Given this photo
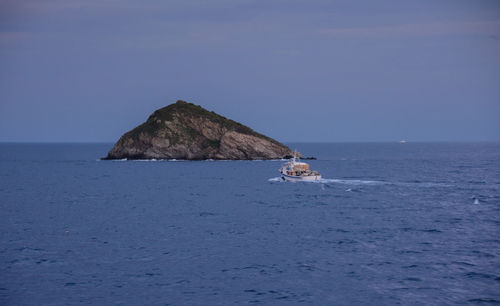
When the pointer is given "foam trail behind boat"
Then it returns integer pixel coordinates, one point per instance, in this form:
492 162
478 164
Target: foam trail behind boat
369 182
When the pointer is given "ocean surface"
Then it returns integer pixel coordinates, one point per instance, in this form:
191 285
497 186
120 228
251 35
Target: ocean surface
390 223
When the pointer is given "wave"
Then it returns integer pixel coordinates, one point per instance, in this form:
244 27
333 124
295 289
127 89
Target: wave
275 179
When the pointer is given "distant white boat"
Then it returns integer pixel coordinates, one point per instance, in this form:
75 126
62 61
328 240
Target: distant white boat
296 171
402 141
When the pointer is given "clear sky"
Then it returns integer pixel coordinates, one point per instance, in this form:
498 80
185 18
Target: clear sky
326 71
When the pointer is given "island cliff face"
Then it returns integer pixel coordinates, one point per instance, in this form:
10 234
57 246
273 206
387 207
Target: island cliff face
186 131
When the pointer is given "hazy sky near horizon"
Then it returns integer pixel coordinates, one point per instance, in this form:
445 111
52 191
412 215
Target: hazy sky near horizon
91 70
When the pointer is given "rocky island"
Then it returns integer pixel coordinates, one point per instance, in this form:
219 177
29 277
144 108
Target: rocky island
187 131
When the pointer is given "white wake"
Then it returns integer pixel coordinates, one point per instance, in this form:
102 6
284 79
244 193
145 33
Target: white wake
366 182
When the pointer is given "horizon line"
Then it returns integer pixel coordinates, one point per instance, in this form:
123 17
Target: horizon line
284 142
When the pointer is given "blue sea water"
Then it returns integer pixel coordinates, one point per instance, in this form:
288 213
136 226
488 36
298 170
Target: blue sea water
388 224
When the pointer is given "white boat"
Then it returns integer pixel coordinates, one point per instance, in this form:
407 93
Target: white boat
296 171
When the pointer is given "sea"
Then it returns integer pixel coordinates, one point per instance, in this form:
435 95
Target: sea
389 224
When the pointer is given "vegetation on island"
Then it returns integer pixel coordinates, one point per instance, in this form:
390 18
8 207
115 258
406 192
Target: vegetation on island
182 111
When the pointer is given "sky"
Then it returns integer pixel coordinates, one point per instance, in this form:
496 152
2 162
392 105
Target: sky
297 71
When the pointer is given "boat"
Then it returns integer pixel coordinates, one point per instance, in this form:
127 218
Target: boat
296 171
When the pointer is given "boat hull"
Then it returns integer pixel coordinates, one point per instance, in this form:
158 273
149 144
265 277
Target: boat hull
294 178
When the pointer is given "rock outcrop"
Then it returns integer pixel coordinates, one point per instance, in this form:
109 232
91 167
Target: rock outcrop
186 131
